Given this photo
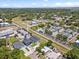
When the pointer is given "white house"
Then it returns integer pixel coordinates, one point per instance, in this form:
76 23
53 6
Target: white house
77 41
1 20
69 33
50 54
56 30
41 30
34 22
54 33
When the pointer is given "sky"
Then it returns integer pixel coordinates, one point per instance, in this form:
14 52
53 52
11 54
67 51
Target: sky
38 3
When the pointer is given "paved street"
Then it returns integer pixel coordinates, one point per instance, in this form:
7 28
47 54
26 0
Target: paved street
26 26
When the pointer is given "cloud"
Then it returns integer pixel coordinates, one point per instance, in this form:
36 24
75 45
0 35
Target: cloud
33 3
4 5
46 0
67 4
57 4
44 5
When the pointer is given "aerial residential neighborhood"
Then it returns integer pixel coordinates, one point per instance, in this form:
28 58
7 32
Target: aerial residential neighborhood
39 29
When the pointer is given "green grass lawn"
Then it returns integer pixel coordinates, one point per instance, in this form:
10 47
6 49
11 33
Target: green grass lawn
25 57
12 39
33 44
28 57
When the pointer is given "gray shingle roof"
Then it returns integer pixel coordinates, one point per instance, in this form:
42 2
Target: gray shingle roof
18 45
29 41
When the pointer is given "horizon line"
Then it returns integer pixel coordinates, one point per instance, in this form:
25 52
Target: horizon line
39 7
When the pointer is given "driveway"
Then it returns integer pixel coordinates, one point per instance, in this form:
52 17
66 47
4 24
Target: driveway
34 56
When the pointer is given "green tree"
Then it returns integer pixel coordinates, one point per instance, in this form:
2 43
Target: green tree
58 36
4 53
41 25
73 54
10 20
2 42
48 32
38 49
77 37
64 38
16 54
34 27
49 43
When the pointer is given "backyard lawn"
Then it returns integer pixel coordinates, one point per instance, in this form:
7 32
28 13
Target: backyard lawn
12 39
